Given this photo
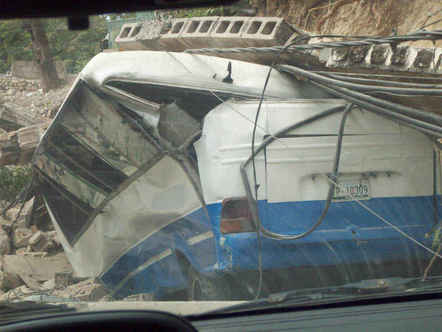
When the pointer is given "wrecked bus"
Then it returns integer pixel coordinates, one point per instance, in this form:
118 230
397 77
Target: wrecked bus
150 179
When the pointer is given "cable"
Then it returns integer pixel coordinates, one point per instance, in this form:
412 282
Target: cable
418 35
435 200
258 111
264 144
431 15
360 87
335 84
432 23
372 75
331 190
376 81
355 97
255 125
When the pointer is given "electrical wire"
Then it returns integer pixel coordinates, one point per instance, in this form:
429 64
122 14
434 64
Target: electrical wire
418 35
413 118
276 59
354 97
435 191
280 52
377 81
361 87
252 201
429 118
432 23
431 15
255 125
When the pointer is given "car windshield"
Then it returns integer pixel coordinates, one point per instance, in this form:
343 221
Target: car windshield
264 153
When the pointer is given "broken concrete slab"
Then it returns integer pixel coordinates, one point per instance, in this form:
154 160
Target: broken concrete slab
15 294
13 117
30 282
48 285
9 281
38 241
63 280
17 147
87 290
5 242
39 268
21 237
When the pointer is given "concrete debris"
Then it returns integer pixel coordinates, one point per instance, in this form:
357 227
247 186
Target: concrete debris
87 290
39 268
30 282
21 237
14 83
16 294
139 297
17 147
28 252
5 242
63 280
48 285
39 241
180 34
9 281
52 236
23 103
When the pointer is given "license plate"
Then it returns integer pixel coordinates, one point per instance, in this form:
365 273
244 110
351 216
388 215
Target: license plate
346 190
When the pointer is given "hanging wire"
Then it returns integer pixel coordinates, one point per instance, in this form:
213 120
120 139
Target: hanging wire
428 17
421 120
418 35
432 23
252 201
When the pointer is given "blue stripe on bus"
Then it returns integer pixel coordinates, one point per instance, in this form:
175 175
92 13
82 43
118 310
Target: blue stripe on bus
349 234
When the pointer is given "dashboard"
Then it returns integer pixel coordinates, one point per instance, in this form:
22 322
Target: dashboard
402 316
407 316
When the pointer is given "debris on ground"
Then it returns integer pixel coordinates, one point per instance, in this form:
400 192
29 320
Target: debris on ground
23 95
33 265
87 290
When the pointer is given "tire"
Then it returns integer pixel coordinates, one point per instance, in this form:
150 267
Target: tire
202 288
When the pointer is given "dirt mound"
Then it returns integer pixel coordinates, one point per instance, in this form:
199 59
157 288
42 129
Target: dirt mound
356 17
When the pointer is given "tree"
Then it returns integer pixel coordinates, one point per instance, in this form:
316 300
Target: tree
74 48
14 43
42 54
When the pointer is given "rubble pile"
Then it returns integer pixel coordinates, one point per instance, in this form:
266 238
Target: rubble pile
33 266
8 83
26 95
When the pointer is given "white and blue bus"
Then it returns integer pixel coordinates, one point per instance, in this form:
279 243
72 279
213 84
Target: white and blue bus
150 180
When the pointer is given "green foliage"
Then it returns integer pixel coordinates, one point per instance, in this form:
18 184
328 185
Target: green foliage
15 43
198 12
212 11
12 181
74 47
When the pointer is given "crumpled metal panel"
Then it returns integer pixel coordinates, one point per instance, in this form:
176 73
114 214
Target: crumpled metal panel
176 126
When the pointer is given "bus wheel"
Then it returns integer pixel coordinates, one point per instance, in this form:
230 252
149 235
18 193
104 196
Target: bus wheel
202 288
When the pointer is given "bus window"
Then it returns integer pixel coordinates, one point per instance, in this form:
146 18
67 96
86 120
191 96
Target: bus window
70 213
98 124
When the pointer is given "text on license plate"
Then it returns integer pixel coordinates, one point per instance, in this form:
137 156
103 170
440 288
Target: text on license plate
346 190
